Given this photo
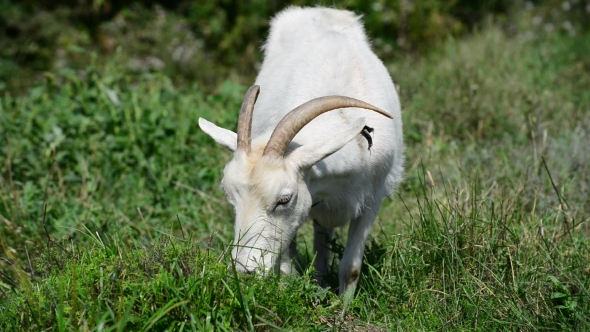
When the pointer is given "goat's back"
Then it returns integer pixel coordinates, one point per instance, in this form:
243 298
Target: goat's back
296 27
315 52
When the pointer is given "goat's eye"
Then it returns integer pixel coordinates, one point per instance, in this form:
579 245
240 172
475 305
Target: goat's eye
284 200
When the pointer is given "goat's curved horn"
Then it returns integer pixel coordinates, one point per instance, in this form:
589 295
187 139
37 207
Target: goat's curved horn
295 120
245 119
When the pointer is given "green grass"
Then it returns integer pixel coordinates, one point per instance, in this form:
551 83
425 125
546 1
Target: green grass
111 216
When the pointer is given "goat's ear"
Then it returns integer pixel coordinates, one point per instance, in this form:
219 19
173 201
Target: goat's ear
226 138
308 155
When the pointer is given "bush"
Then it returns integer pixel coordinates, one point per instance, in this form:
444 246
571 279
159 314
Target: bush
198 41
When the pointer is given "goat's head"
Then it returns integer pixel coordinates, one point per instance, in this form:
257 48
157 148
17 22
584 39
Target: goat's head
267 182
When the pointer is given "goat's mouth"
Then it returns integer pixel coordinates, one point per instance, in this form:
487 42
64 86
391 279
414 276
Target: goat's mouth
280 264
249 260
241 268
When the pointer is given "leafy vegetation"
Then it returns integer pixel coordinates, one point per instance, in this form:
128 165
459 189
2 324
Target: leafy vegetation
213 41
111 217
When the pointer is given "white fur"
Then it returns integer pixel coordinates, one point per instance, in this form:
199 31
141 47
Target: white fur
314 52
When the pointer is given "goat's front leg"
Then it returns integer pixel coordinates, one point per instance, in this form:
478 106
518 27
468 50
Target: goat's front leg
322 237
351 263
286 265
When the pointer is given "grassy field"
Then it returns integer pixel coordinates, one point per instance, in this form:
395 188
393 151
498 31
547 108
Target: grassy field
112 219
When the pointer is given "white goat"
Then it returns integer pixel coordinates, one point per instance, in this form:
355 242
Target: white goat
287 167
